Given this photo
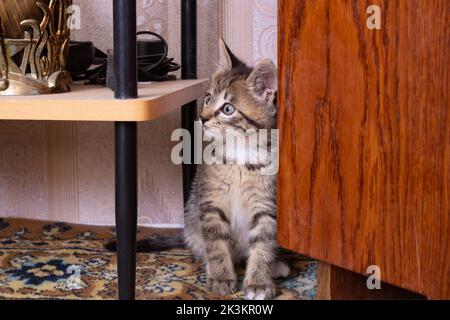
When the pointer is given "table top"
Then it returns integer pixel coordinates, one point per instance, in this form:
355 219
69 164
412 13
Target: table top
96 103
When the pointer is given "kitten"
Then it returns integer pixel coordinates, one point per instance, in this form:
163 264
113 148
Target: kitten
231 214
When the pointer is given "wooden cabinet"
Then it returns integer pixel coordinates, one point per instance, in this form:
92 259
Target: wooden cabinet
365 141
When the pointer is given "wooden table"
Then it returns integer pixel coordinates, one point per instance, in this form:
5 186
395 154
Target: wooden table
94 103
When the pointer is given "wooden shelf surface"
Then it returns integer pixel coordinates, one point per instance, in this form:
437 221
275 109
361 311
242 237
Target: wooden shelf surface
96 103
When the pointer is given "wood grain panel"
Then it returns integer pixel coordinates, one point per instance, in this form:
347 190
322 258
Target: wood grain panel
365 140
334 283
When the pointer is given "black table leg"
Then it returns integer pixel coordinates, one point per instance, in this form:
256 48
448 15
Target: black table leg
125 70
189 71
126 206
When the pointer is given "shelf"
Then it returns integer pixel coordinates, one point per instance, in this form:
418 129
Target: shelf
95 103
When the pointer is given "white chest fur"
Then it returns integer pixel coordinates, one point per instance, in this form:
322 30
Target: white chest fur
240 209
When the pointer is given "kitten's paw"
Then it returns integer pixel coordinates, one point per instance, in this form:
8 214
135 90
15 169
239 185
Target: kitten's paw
221 287
280 269
260 292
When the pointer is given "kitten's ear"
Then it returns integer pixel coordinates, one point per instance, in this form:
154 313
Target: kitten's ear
263 79
225 61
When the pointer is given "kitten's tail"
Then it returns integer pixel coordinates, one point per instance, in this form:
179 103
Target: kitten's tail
154 244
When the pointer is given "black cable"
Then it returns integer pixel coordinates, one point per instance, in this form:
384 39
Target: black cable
156 67
152 67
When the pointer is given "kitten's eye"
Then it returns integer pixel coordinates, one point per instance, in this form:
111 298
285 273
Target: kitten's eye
207 99
228 109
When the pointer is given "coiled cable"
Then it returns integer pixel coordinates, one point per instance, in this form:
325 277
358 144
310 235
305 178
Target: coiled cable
156 67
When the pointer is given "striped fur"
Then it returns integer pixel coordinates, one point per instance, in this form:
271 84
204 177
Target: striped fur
231 215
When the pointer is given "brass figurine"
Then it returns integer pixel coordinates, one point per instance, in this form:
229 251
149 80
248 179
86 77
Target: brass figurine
34 42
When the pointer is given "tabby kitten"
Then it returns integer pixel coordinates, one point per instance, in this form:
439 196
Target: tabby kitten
231 214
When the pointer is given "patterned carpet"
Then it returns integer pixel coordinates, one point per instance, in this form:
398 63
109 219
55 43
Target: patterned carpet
40 260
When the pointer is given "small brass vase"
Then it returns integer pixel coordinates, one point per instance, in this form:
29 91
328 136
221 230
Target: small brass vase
34 42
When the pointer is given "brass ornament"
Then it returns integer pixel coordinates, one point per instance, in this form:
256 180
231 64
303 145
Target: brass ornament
34 42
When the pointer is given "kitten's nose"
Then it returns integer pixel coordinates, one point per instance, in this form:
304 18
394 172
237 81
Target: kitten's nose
203 119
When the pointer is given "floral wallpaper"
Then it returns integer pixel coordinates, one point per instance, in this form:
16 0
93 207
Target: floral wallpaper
153 15
265 29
